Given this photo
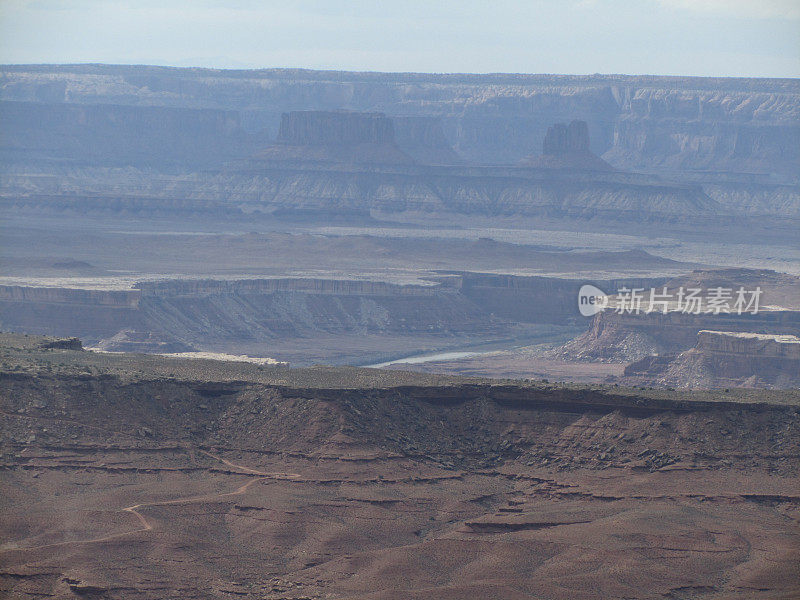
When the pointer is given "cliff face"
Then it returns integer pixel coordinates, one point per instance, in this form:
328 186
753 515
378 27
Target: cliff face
628 337
738 139
563 139
301 128
675 130
729 342
189 313
658 123
724 358
567 147
335 137
195 313
116 135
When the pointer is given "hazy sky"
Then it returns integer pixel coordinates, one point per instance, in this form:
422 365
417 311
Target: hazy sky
673 37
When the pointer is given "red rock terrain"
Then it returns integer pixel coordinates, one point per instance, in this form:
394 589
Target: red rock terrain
128 476
724 358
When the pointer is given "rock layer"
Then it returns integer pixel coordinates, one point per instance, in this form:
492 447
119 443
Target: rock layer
724 359
313 128
564 139
665 124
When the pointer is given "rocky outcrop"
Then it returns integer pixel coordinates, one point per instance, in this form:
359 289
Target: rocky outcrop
319 128
662 124
733 342
724 359
614 337
630 336
564 139
567 147
62 344
148 342
335 137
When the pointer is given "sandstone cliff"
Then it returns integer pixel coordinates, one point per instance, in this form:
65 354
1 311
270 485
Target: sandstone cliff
335 137
623 338
117 135
635 122
724 359
567 147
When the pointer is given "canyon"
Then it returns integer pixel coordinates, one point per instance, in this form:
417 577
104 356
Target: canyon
138 476
360 218
293 334
713 149
644 122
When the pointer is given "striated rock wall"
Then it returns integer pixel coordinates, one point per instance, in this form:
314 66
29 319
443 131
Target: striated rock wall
59 295
563 139
616 337
188 313
724 359
331 287
635 122
469 190
534 299
115 135
567 147
765 345
197 313
88 314
301 128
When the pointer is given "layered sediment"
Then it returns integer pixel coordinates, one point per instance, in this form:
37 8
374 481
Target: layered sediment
664 124
214 479
339 137
567 147
724 359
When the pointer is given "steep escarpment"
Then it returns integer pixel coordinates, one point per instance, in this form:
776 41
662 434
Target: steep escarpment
335 137
618 337
308 128
180 314
724 359
219 480
623 335
308 180
635 122
707 131
304 321
534 299
567 147
119 135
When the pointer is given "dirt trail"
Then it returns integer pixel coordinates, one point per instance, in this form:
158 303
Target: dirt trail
146 526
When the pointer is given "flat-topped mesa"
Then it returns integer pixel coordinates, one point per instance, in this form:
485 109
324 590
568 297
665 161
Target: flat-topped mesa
723 359
754 344
326 128
341 137
567 147
563 139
